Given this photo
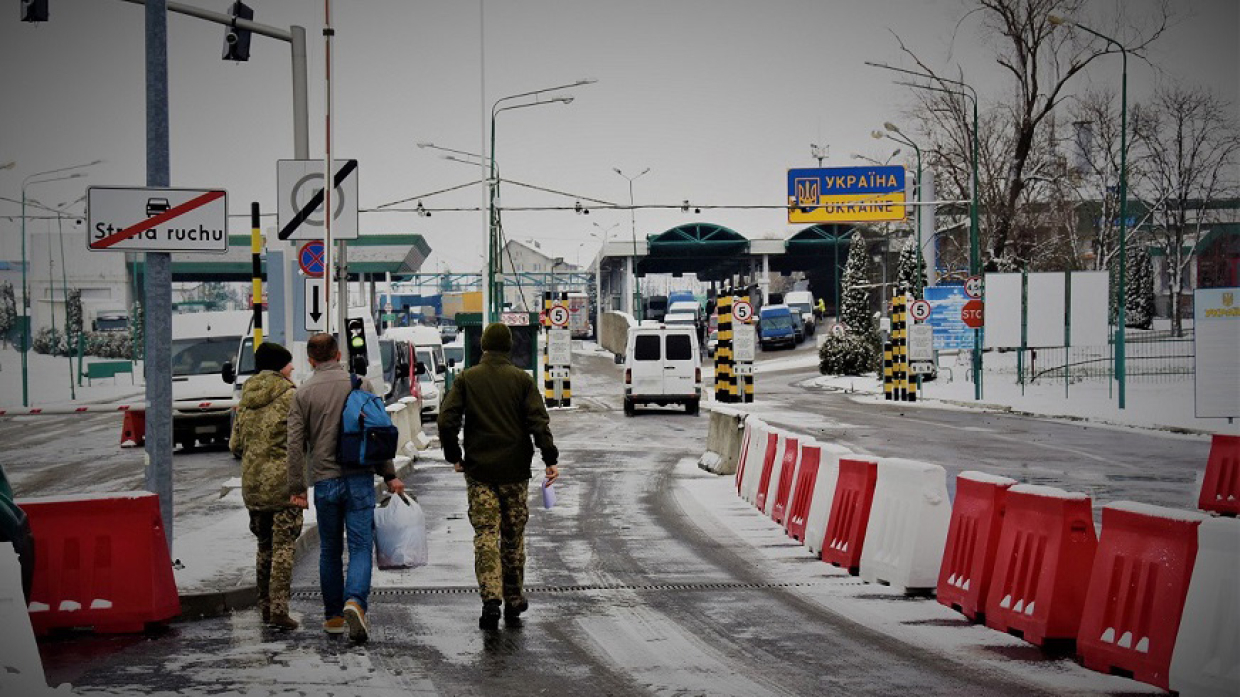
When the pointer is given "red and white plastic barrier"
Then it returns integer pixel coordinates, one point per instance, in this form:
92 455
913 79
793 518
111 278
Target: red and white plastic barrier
761 441
1042 567
1137 589
803 489
908 525
746 436
972 541
823 495
183 405
781 483
844 540
770 460
100 561
1220 489
1206 660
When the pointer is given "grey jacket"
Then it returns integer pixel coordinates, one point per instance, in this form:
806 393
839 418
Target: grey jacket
314 428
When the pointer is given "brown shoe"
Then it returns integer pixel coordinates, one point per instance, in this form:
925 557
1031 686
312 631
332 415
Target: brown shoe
355 617
334 626
282 621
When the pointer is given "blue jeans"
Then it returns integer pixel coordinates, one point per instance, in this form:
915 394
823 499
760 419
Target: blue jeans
345 505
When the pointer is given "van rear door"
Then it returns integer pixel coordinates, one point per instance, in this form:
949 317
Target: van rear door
679 364
647 367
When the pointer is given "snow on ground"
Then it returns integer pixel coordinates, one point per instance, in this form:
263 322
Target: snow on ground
712 503
48 379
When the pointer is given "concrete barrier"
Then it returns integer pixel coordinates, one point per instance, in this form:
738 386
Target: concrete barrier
413 406
399 414
723 441
1206 660
760 442
614 332
824 494
20 660
908 525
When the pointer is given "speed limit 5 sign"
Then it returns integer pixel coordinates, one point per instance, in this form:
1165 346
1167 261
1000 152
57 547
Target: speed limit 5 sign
558 316
742 311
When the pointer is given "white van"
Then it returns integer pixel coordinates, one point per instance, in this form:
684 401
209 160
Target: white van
202 344
662 367
802 303
428 347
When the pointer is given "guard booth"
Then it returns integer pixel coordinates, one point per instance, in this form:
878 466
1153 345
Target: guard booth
525 349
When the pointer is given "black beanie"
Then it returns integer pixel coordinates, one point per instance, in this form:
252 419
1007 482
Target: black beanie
271 356
497 337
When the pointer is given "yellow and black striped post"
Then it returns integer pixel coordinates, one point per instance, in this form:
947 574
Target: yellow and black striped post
545 321
889 376
566 383
724 387
899 336
747 394
256 262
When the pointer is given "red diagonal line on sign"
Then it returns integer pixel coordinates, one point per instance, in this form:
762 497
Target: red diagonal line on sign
167 215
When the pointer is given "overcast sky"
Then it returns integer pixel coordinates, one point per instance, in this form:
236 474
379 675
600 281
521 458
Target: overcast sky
717 98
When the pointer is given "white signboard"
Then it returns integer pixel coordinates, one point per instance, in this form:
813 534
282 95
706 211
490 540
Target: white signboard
1047 310
315 317
157 220
299 186
1089 293
515 319
1216 324
921 342
559 347
1002 310
744 338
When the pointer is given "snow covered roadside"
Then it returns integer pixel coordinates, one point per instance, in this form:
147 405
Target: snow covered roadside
711 502
48 379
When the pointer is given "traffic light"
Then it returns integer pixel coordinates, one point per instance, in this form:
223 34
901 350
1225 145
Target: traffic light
358 361
34 10
237 40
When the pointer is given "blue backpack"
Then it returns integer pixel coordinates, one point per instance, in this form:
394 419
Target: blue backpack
367 436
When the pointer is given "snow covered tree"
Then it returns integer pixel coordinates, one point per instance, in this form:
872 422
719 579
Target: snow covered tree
855 305
846 354
137 331
8 310
73 317
1139 289
906 269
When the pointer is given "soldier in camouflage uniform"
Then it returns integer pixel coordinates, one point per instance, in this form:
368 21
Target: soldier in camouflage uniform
260 438
502 409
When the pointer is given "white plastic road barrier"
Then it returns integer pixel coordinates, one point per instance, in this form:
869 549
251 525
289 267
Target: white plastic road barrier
908 525
20 657
413 412
787 456
824 495
399 416
1206 660
758 434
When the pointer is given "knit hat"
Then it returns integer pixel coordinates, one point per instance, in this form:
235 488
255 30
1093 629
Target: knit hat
271 356
497 337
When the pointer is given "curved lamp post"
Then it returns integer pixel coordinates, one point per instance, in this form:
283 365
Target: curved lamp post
890 129
636 309
1121 372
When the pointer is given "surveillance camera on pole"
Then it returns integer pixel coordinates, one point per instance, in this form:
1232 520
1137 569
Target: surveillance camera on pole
34 10
236 39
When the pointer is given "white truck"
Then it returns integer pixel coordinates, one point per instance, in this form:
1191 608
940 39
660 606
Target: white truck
202 344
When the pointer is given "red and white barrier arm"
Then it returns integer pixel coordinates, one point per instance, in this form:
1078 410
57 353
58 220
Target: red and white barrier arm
186 405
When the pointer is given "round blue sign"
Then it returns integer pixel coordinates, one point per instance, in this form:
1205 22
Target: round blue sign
311 259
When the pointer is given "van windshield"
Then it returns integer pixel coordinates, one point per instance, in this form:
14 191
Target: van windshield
777 322
202 356
802 308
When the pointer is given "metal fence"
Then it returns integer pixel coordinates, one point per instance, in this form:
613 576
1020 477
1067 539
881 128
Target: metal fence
1151 357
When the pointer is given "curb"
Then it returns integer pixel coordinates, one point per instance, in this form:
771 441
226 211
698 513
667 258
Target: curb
208 604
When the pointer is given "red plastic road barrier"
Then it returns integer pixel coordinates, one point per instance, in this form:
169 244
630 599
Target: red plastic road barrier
1220 490
972 540
850 513
133 430
100 561
768 464
740 463
1137 590
792 454
807 477
1041 573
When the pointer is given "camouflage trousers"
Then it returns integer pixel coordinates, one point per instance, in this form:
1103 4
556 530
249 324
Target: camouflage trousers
498 513
277 532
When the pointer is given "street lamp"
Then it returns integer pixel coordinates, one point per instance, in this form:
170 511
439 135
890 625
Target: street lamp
818 152
495 288
1121 371
859 156
636 298
892 128
36 178
975 258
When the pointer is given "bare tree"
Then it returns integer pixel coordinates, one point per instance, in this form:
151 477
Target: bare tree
1041 59
1189 145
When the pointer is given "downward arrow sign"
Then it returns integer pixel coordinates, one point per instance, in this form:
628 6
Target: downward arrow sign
314 306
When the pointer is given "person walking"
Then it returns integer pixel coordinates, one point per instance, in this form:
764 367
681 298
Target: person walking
502 409
260 438
344 498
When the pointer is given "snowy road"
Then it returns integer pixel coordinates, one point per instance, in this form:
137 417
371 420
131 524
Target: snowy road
641 580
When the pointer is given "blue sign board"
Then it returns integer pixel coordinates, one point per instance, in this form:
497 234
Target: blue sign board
950 331
311 258
846 194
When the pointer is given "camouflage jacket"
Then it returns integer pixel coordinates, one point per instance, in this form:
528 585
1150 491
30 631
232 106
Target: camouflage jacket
260 438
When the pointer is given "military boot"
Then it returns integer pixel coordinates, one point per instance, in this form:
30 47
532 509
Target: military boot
490 615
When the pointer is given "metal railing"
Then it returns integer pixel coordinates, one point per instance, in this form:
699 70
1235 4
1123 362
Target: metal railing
1152 357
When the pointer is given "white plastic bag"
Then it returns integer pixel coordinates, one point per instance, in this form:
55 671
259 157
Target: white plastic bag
400 534
548 492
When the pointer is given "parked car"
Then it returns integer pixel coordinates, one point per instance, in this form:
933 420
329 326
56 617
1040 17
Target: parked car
712 342
776 327
662 366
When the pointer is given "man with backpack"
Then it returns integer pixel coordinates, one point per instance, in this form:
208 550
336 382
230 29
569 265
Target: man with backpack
501 409
344 495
